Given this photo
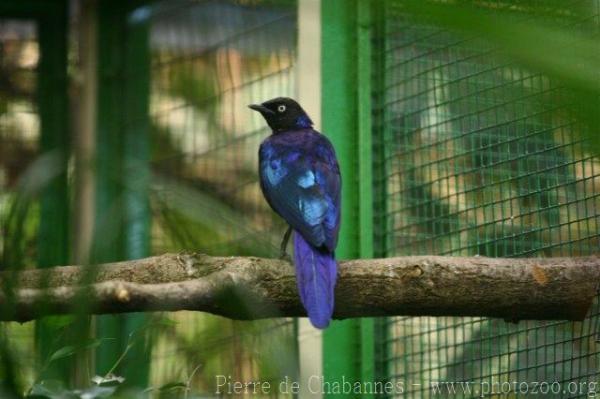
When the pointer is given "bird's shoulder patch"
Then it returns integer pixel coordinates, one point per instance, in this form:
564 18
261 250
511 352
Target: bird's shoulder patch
307 179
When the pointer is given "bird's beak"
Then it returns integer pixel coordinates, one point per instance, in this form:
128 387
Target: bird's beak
261 108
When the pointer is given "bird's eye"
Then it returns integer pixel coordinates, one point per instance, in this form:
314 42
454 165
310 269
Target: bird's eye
281 108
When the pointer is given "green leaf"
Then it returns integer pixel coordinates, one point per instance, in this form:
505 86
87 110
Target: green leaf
70 350
63 352
172 386
58 322
93 343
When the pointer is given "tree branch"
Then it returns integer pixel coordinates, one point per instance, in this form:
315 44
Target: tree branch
252 288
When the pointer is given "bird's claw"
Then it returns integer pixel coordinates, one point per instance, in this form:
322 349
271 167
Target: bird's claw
285 256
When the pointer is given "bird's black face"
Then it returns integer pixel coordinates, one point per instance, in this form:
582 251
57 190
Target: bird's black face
283 114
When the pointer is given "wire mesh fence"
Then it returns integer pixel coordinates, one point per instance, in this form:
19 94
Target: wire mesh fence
209 59
474 156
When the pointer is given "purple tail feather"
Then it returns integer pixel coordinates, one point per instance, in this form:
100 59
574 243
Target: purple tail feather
316 274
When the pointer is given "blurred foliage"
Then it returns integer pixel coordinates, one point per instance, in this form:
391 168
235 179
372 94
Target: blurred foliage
554 38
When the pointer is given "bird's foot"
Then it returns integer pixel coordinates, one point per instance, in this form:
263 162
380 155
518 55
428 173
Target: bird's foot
285 256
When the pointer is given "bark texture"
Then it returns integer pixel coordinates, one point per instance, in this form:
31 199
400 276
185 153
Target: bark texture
251 288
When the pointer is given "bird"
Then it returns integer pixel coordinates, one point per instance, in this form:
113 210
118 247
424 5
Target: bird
300 178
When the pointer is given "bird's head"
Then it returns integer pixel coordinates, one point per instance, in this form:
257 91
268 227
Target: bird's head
283 114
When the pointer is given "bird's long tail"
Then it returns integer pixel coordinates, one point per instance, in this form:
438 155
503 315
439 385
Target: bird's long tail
316 274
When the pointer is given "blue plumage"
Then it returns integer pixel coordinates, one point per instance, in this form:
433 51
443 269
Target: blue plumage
316 274
300 178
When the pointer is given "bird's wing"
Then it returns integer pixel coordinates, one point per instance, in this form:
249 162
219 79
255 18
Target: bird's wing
303 186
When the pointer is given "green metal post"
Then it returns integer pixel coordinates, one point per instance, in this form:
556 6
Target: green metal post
107 242
378 157
52 99
346 111
122 182
365 175
136 174
339 108
54 124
